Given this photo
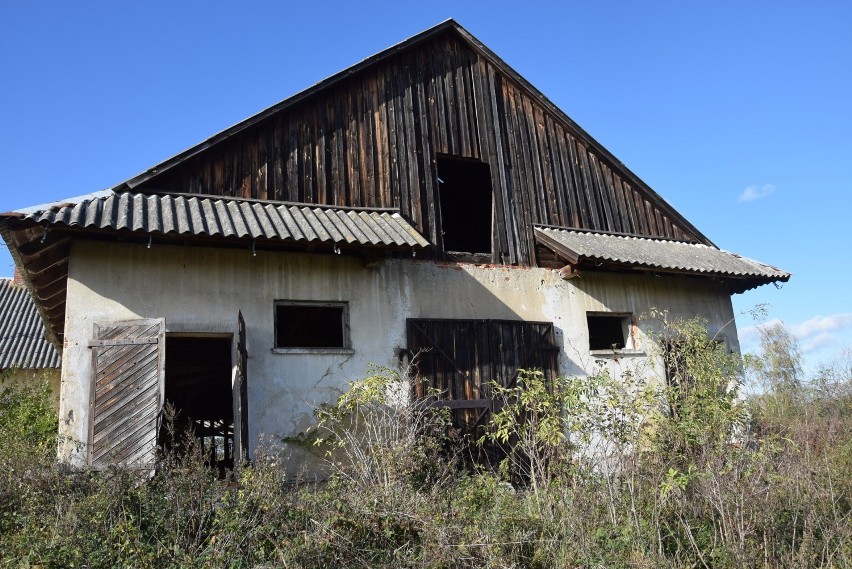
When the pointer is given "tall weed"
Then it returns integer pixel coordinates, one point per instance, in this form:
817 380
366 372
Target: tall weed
601 472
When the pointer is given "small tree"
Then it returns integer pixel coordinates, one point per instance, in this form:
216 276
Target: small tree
536 421
780 362
702 391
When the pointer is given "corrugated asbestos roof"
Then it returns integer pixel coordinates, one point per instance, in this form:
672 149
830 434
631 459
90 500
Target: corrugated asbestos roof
230 217
22 342
656 254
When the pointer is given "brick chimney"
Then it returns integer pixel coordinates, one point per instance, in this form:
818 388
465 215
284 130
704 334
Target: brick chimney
17 279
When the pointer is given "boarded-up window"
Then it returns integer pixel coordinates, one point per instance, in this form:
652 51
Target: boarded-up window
458 359
127 393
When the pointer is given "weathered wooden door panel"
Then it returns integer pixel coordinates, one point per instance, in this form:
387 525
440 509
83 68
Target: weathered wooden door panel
457 360
525 346
127 392
242 389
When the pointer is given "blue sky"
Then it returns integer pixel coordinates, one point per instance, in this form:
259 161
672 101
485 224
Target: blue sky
737 113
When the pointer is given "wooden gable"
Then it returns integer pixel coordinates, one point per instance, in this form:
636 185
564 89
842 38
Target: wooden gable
370 137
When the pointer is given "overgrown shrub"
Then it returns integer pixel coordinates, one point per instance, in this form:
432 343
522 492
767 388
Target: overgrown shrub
603 472
27 415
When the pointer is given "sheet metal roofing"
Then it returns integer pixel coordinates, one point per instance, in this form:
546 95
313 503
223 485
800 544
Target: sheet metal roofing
658 254
184 214
22 342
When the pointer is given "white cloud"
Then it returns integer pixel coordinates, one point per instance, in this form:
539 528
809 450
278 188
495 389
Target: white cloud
749 336
813 334
819 324
752 193
817 342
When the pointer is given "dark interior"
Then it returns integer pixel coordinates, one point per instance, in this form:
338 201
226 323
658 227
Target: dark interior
465 194
606 332
309 326
198 387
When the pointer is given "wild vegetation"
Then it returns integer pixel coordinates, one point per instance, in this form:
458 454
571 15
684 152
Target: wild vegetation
599 472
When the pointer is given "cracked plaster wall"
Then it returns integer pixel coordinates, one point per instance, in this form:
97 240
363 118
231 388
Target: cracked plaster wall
200 290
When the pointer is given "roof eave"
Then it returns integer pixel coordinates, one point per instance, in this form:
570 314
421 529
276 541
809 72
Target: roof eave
555 239
736 283
12 246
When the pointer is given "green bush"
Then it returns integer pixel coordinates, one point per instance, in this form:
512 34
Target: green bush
602 472
27 415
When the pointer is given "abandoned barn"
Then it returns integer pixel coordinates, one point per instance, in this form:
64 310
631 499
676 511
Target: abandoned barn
427 203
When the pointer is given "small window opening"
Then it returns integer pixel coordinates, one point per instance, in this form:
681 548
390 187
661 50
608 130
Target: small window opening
198 390
607 331
464 189
310 325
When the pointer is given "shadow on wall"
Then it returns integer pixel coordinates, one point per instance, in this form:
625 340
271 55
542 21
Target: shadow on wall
200 290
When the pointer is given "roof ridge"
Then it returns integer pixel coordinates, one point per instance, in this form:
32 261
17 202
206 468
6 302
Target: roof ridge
168 163
106 194
622 235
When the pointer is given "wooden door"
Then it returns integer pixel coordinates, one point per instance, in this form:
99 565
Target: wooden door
127 392
456 361
241 390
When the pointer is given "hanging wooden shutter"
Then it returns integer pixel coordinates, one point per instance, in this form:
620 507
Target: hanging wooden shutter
127 393
242 388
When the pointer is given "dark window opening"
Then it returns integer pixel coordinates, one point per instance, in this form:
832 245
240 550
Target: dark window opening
607 332
465 195
310 325
198 389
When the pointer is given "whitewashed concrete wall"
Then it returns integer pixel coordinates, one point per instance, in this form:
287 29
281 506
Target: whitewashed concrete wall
200 290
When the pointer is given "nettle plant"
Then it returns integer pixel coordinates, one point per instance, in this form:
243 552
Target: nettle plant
536 421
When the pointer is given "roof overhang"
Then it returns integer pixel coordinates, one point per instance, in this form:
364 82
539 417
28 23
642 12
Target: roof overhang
39 238
606 251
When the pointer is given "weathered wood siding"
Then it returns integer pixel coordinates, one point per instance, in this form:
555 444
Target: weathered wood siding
456 362
372 139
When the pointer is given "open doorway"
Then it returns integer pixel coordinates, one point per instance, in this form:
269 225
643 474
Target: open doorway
198 385
465 202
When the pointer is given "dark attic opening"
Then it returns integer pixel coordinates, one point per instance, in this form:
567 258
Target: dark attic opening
198 388
464 191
